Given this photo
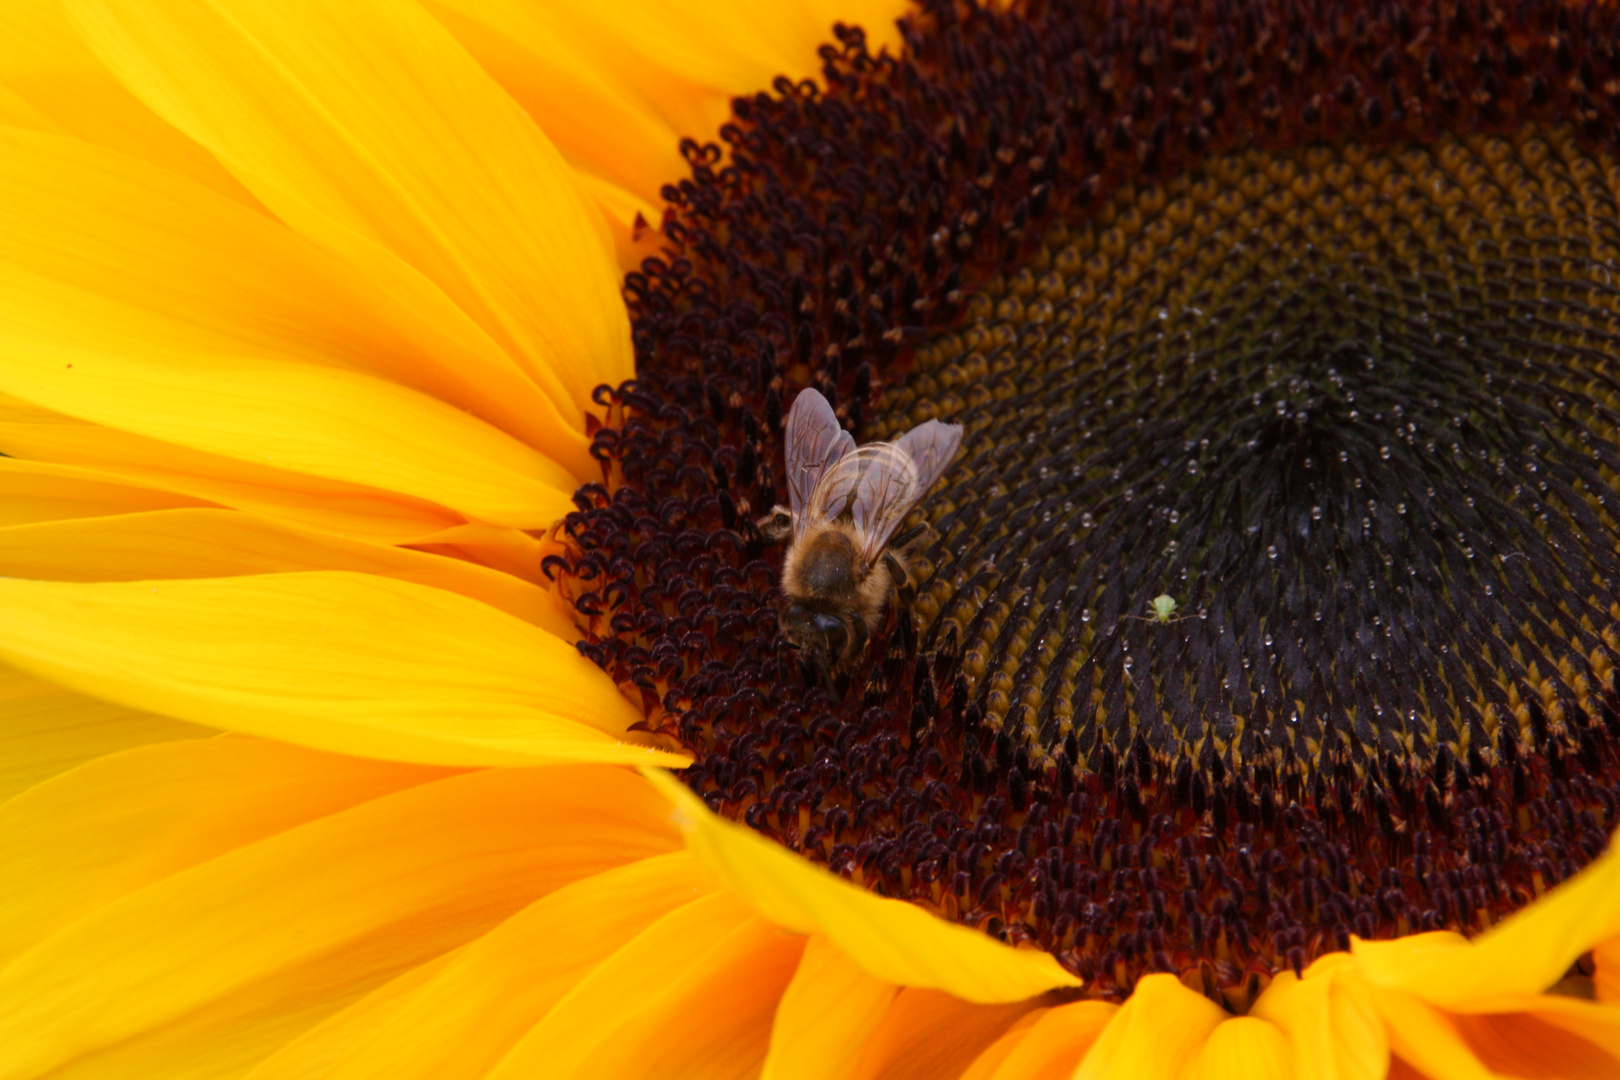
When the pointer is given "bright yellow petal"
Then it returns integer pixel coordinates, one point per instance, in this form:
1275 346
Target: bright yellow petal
928 1033
1526 953
61 445
1243 1048
1051 1047
46 729
465 1018
30 492
825 1016
328 909
126 821
367 119
1158 1032
893 940
205 543
46 65
1331 1024
192 275
690 996
338 661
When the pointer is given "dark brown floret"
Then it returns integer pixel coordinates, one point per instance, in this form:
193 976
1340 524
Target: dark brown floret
1301 316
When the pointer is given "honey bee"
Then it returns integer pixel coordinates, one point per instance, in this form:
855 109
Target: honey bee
845 505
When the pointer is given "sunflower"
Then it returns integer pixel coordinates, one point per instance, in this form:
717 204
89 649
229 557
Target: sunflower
392 680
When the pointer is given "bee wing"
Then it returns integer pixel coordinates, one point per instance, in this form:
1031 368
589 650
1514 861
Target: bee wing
931 446
815 442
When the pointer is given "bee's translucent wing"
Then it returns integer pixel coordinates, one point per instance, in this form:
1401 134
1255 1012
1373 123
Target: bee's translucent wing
931 446
815 442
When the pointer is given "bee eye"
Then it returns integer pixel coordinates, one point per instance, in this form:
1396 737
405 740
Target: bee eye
832 628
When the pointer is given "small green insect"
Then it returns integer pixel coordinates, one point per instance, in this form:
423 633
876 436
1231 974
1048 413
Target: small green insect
1163 608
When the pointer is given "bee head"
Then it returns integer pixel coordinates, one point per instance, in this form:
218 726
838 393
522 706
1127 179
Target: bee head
822 638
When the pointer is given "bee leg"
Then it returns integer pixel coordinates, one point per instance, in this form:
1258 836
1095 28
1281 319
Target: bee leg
775 526
904 592
899 543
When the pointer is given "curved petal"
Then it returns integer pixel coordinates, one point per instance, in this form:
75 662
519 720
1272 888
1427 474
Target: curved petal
471 1012
299 656
1052 1046
31 492
1606 980
46 729
46 65
126 821
1331 1024
321 911
190 274
926 1034
205 543
893 940
689 997
1525 953
366 119
1158 1032
1243 1048
58 445
826 1015
1545 1034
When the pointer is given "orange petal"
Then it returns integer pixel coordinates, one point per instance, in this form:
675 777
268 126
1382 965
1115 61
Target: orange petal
470 1013
1545 1035
893 940
1158 1032
690 996
1606 980
367 120
328 909
129 820
227 543
927 1033
1052 1046
46 729
298 656
829 1010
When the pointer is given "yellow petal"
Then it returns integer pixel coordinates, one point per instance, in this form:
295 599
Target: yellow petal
329 909
31 492
893 940
194 275
1052 1046
927 1033
97 360
1158 1032
123 822
46 729
62 446
367 119
469 1014
46 65
339 661
1525 953
829 1010
690 996
204 543
1331 1024
1243 1048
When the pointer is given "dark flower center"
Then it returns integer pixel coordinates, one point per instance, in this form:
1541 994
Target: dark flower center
1273 598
